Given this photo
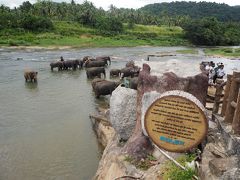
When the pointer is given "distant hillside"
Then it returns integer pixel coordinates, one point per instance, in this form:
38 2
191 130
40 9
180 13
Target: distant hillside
222 12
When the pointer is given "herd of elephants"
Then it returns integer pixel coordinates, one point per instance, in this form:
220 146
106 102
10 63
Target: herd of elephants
95 69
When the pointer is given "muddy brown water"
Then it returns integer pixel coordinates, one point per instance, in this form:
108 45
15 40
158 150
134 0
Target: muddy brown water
45 131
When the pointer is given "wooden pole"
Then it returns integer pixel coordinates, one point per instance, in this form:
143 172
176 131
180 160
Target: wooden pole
226 94
218 95
236 118
233 94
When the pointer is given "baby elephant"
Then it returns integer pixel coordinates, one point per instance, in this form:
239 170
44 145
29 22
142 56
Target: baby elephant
30 75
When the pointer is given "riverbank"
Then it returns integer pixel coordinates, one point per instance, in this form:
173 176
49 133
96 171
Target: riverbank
232 53
73 34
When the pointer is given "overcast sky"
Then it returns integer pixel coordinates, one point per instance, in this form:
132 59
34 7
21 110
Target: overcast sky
118 3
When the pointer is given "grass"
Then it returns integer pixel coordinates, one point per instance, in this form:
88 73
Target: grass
227 52
173 172
143 164
73 34
187 51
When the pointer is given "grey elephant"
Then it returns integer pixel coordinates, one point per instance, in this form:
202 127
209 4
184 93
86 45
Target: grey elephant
95 72
86 58
115 72
30 75
95 81
70 64
129 71
104 87
91 63
133 83
80 63
106 59
57 64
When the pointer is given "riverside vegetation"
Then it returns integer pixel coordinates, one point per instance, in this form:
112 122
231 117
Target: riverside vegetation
48 23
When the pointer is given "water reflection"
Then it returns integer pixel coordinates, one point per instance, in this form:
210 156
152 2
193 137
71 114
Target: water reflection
32 86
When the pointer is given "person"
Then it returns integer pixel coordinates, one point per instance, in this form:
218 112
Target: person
61 58
211 72
219 72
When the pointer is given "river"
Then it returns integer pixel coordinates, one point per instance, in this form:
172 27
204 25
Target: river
45 131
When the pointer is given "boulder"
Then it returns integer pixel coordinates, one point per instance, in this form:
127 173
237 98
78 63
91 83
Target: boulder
232 174
123 103
220 165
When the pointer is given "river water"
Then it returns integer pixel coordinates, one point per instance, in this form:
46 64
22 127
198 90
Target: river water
45 131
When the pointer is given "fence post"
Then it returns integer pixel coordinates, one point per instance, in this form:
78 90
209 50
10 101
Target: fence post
236 118
233 93
218 95
226 94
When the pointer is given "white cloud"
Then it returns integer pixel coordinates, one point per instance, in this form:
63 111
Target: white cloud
118 3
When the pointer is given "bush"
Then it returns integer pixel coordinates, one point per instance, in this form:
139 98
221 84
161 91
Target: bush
35 23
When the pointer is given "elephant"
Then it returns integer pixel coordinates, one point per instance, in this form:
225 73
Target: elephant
95 81
79 63
133 83
104 87
95 71
73 64
90 63
130 71
30 75
58 64
130 64
115 72
104 58
85 58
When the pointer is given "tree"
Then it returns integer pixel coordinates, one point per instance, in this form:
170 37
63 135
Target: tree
207 31
35 23
109 25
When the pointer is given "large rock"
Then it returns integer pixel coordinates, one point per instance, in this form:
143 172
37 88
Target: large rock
220 165
123 104
232 174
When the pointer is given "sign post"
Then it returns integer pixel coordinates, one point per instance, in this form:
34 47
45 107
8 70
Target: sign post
176 121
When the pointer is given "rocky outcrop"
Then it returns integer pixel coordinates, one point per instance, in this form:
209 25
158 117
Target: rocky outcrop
102 127
196 85
217 162
123 103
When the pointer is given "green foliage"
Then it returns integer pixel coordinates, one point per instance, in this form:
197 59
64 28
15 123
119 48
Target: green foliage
109 25
173 172
209 31
228 52
143 164
34 23
87 14
194 10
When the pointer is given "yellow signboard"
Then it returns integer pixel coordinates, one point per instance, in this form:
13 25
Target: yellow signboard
175 123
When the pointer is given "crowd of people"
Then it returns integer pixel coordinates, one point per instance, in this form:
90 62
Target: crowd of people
214 72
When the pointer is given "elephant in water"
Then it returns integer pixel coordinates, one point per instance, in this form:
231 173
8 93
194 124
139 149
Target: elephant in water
57 64
104 87
71 64
86 58
90 63
95 72
115 72
30 75
130 71
133 83
104 58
